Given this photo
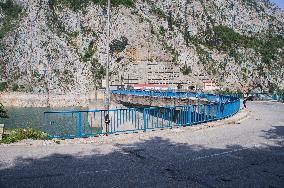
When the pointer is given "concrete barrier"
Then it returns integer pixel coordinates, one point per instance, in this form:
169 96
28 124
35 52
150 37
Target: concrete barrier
136 100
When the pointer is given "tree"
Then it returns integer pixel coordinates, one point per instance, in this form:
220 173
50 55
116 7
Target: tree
179 86
3 111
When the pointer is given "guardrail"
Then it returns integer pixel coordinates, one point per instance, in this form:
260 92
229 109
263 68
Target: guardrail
172 94
70 124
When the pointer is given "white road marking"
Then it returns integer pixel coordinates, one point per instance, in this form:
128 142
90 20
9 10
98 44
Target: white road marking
93 172
222 153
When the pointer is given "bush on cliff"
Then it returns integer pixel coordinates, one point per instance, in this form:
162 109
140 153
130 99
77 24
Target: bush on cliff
79 4
3 86
12 12
267 45
3 112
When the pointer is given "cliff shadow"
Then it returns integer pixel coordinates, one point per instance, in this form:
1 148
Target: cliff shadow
155 162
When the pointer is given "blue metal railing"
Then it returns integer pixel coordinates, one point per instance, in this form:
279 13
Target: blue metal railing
154 93
92 122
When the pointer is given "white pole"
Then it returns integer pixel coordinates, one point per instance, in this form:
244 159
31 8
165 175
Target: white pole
108 58
107 95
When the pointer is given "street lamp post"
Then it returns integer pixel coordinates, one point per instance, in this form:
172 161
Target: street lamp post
108 57
107 94
47 77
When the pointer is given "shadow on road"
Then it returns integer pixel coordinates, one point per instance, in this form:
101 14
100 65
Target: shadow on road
276 134
153 163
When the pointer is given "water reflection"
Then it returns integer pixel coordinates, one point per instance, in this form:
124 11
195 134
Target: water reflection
34 117
29 117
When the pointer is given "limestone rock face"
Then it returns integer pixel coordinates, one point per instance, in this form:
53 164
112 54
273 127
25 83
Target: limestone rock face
51 46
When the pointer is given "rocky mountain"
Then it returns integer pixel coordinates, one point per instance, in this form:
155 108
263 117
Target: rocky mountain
59 46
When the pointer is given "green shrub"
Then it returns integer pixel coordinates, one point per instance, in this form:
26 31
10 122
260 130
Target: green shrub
185 70
72 35
157 11
281 95
89 53
21 134
12 13
267 45
3 111
80 4
118 45
170 21
15 87
127 3
229 92
98 72
192 39
162 31
3 86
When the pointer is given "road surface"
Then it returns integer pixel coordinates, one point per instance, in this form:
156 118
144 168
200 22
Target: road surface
245 154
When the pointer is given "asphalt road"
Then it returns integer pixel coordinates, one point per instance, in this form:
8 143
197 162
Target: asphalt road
246 154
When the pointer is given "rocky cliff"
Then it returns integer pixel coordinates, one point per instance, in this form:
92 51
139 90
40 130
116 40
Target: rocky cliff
59 46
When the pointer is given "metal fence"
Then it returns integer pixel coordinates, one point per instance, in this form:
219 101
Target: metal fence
68 124
172 94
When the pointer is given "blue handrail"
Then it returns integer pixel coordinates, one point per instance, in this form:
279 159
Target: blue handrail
69 124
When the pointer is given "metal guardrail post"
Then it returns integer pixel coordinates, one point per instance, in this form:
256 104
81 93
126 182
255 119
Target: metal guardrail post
219 110
145 119
79 125
107 123
204 113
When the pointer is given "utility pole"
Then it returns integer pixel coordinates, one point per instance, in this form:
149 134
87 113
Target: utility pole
233 14
185 23
107 93
108 58
47 77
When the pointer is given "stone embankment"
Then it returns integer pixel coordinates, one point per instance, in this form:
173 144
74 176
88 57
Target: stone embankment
18 99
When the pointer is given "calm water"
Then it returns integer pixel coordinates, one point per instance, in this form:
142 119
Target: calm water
30 117
36 119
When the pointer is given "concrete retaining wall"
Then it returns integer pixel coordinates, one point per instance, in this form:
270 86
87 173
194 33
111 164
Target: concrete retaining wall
17 99
136 100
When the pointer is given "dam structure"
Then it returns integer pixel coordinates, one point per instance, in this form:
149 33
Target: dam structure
144 111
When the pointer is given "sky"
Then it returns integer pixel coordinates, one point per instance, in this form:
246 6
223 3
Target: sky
279 3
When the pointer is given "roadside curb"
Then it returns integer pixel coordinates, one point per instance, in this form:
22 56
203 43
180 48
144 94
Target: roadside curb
236 119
